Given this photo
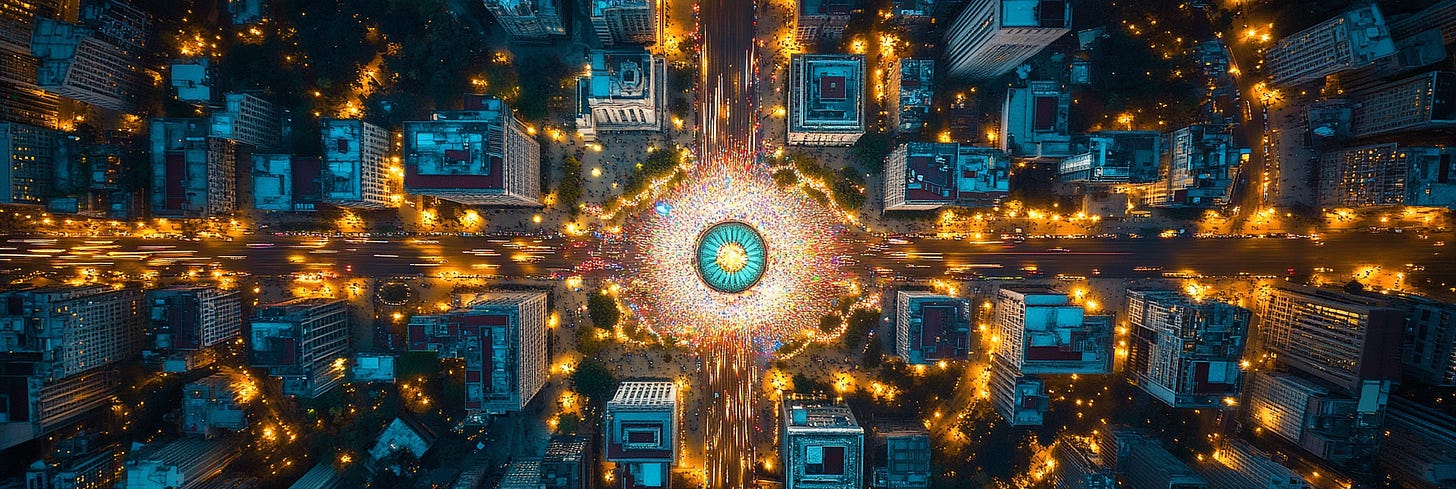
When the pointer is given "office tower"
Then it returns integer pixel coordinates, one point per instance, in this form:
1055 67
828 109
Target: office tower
911 94
249 120
931 327
826 99
1349 40
568 463
1430 342
302 342
1039 331
822 20
284 183
213 404
1147 465
923 176
1334 427
624 21
1341 338
76 63
187 462
1034 121
1203 163
61 342
1387 175
992 37
1183 352
29 157
1419 449
901 455
185 323
1115 157
1421 102
77 462
479 157
528 20
821 445
354 164
1078 464
502 339
641 424
24 102
624 91
1238 465
1019 399
193 175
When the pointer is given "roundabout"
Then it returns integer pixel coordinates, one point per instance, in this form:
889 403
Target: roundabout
731 257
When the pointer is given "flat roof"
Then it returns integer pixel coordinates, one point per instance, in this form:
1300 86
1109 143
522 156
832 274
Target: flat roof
644 394
810 414
1036 13
829 95
621 74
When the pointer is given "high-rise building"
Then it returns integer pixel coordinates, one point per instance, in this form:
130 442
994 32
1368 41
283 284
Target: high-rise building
1238 465
522 473
826 99
502 339
29 157
192 80
568 463
1338 337
1078 464
931 327
529 20
624 91
1034 121
479 157
1115 157
354 164
285 183
1019 399
823 20
1039 331
901 455
1430 342
193 175
183 463
1334 427
24 102
1425 101
1147 465
1350 40
1388 175
641 424
923 176
911 93
1203 164
1419 449
1183 352
624 21
212 404
60 343
916 16
302 342
992 37
250 120
77 462
76 63
185 323
821 445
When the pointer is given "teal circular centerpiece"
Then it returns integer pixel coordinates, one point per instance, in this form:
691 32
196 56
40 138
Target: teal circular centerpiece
731 257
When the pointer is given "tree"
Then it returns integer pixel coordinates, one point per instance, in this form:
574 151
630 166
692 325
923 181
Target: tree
594 380
828 323
873 355
569 192
602 309
861 321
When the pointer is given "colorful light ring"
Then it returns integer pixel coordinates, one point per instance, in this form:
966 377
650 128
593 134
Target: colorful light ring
731 257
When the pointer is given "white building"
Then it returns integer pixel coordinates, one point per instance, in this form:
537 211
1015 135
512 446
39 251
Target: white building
992 37
193 175
303 342
1034 121
624 21
1350 40
474 157
826 99
821 445
1041 332
923 176
625 91
528 20
355 161
502 339
642 432
250 120
76 64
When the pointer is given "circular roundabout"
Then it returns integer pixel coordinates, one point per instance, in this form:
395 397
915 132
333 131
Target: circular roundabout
731 257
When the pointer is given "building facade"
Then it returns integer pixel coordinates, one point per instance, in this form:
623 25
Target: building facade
1419 447
184 324
1430 343
1039 331
1115 157
211 406
303 342
1183 352
1334 427
354 164
826 99
250 120
502 340
923 176
479 157
993 37
193 175
911 94
931 327
1350 40
529 20
1426 101
1240 465
1021 400
625 91
187 462
821 445
1388 175
624 21
29 159
901 455
1204 162
24 103
822 20
1338 337
1034 121
76 63
641 424
1078 464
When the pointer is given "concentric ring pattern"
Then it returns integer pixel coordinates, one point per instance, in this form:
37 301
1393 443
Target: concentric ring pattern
731 257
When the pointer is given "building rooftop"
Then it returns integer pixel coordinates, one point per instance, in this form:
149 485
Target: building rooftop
828 7
456 153
621 74
523 473
830 93
1036 13
819 415
192 80
644 395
